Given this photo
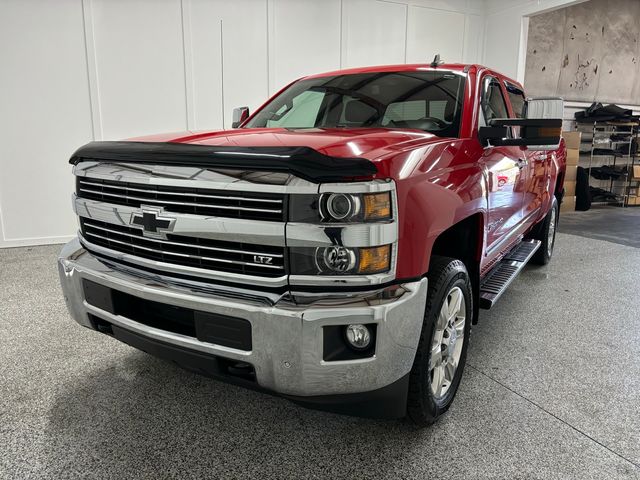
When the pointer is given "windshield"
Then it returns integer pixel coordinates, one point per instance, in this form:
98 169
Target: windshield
429 101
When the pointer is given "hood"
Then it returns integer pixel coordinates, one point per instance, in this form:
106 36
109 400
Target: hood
369 143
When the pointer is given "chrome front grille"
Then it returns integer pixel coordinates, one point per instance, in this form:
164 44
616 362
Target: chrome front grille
197 201
227 227
231 257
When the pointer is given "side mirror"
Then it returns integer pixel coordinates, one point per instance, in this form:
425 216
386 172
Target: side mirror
541 127
541 133
240 114
544 107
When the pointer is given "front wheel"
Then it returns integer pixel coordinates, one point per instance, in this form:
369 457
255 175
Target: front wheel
442 350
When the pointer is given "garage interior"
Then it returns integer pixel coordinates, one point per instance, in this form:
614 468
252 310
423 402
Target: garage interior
551 388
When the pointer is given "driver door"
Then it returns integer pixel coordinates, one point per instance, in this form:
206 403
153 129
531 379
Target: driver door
537 173
504 172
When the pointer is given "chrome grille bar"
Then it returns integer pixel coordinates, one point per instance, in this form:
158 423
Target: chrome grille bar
184 255
169 202
189 251
179 199
181 244
218 197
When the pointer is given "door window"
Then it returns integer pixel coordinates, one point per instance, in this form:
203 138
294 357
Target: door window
517 99
493 104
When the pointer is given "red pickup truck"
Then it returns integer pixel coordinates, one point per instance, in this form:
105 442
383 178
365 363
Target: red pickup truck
335 247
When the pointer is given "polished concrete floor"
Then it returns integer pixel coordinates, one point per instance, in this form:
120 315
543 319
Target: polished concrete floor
551 390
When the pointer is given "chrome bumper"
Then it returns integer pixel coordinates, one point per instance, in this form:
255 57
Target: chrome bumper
287 338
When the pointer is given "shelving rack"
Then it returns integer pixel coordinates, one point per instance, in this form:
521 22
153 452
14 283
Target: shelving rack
612 145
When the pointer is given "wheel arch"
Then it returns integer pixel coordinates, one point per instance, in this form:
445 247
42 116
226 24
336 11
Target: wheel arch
464 241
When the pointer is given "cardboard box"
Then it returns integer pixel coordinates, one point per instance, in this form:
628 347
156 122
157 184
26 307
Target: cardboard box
636 172
572 139
573 156
568 204
571 173
569 188
633 200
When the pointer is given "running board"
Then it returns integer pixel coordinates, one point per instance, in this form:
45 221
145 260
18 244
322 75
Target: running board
501 276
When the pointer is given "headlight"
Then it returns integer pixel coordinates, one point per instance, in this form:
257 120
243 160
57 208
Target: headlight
341 208
338 260
335 259
374 259
377 206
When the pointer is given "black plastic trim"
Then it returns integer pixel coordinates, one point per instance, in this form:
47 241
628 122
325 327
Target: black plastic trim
303 162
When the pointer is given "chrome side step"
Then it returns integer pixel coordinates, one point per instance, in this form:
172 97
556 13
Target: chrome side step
500 277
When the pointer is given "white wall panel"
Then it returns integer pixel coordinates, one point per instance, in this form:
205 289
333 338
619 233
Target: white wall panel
140 66
245 54
431 31
473 39
462 6
203 52
502 42
373 33
227 46
44 117
304 39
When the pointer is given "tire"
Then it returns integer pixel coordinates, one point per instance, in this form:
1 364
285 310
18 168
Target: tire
546 233
448 281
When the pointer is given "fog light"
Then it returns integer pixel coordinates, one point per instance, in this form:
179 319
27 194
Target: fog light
358 336
338 259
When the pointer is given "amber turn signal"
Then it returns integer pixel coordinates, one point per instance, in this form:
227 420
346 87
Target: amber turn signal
377 206
375 259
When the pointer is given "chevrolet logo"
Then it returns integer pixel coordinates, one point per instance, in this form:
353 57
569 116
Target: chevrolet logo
152 222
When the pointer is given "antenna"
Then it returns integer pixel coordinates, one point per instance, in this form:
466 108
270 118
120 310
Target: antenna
436 61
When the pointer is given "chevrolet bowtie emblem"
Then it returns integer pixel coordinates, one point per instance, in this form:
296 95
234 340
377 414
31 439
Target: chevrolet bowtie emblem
152 221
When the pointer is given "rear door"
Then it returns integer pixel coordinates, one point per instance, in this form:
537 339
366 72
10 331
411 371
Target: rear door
535 173
504 171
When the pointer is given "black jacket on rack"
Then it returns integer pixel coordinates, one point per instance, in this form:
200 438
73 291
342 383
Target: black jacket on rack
600 113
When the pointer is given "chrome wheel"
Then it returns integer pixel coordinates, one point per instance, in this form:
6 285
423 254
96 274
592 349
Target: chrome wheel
447 342
552 231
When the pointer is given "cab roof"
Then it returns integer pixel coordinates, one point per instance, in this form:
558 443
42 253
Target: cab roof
413 67
456 67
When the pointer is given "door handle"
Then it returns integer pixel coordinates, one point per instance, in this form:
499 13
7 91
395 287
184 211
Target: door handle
521 163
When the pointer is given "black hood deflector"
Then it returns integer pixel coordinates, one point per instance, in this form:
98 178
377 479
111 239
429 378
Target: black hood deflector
303 162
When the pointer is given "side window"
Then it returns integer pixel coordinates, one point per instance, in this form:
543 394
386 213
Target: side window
517 99
493 104
304 115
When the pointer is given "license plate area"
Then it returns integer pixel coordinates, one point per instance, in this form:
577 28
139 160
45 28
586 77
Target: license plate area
207 327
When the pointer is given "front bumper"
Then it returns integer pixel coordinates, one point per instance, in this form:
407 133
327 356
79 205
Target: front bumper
287 348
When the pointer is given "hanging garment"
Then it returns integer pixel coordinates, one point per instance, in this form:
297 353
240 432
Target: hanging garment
600 113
